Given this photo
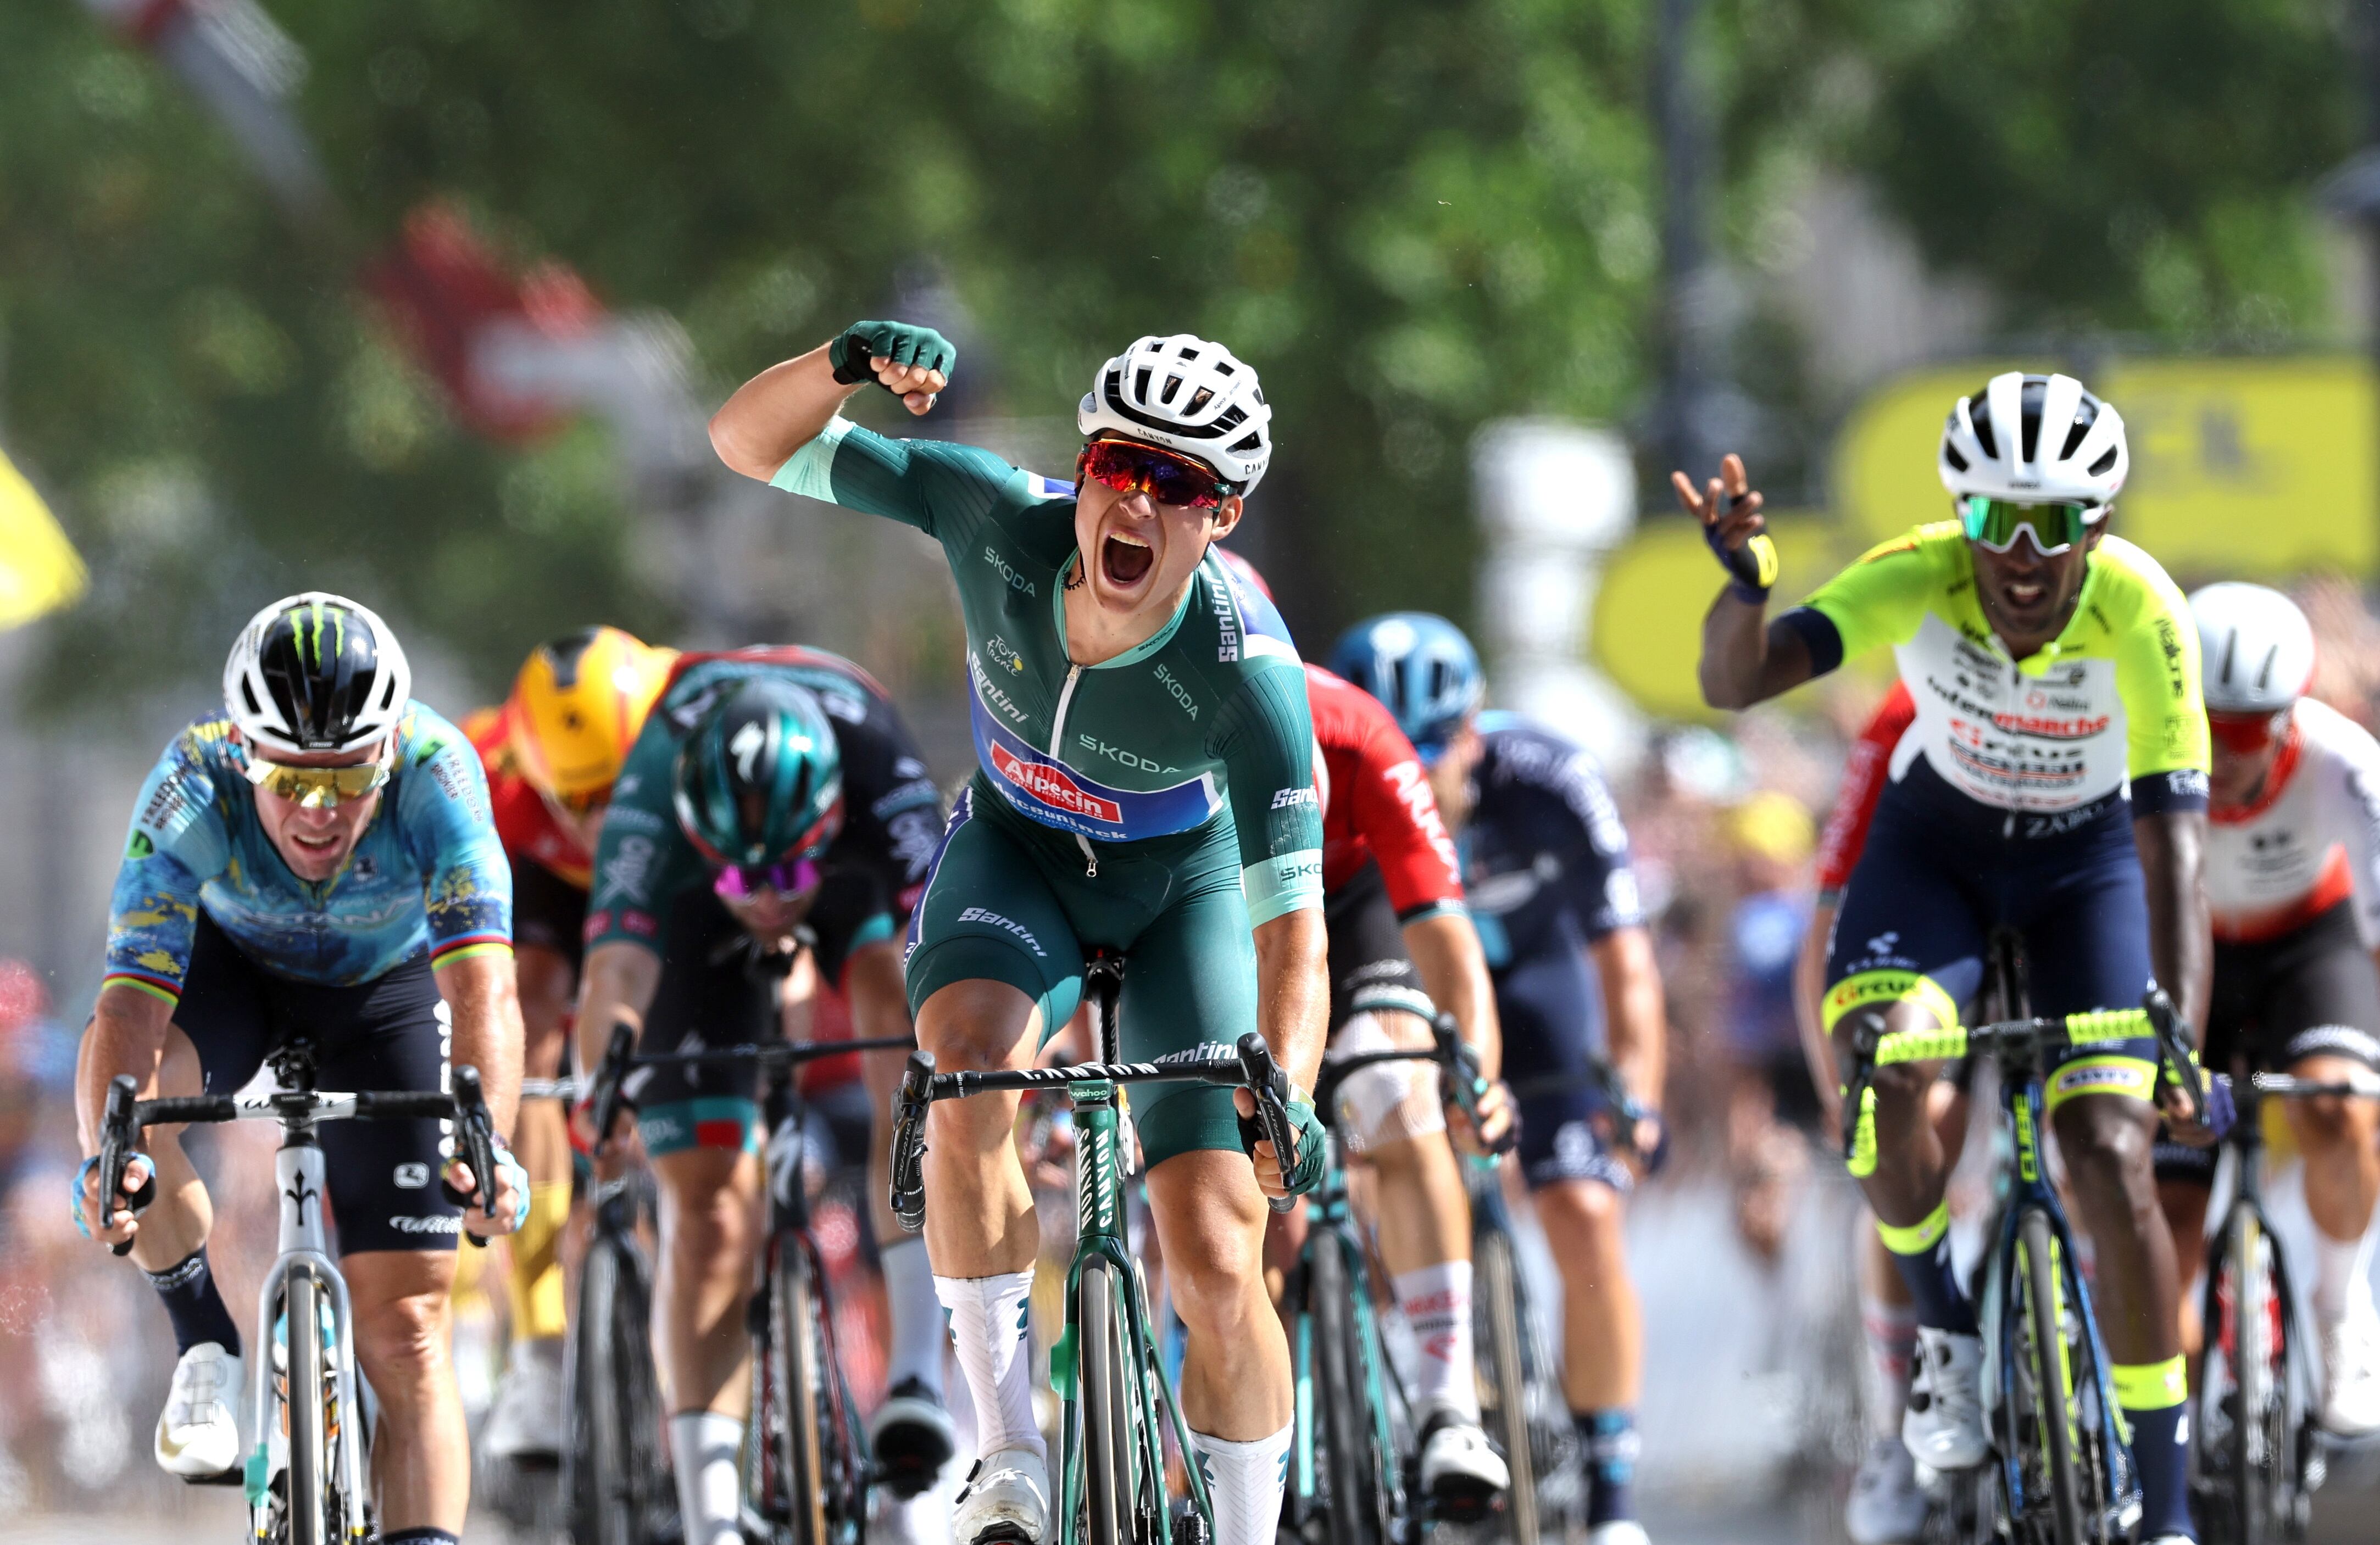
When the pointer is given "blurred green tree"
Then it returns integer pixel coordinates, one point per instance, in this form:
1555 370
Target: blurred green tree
2120 167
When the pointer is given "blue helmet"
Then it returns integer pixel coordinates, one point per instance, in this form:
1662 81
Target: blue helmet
1420 666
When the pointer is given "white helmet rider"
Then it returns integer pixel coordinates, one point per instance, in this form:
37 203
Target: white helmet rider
2035 439
1185 394
2256 649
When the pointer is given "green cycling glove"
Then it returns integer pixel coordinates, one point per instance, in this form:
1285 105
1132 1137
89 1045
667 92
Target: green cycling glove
902 343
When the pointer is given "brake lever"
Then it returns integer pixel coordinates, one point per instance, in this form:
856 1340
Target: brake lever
477 1129
1269 1084
910 1104
116 1137
610 1076
2173 1050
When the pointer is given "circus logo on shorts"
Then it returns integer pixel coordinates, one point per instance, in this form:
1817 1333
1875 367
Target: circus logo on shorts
1050 786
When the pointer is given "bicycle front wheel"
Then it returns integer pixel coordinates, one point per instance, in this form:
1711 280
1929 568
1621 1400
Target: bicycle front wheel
1102 1334
2246 1445
793 1404
2041 1407
614 1480
1358 1507
302 1306
1500 1309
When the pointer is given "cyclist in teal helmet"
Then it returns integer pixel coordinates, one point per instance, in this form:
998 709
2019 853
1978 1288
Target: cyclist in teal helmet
773 805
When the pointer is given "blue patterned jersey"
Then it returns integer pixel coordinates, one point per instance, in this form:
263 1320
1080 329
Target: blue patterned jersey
429 873
1545 858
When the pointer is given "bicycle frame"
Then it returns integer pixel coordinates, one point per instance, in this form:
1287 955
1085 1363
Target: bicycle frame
1102 1231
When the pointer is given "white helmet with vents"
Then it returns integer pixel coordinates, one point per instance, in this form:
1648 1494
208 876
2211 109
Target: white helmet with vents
1185 394
2256 649
315 672
2035 439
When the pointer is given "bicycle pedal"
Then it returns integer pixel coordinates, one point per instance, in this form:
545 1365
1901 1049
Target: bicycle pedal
233 1476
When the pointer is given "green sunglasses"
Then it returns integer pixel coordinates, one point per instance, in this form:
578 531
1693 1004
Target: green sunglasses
1994 522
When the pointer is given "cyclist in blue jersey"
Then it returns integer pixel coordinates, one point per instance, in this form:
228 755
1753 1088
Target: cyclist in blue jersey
1145 785
317 860
2054 782
1546 875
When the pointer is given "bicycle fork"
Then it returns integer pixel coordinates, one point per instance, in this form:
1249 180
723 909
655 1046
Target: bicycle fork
304 1250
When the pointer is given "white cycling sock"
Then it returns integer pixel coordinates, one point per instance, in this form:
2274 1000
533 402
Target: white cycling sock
2341 1275
918 1338
990 1330
1890 1332
1436 1302
703 1448
1245 1482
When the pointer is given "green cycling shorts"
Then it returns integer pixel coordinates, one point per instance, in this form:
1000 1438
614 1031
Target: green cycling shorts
1009 900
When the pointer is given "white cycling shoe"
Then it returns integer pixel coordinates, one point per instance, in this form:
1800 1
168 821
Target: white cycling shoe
1886 1505
2351 1373
1943 1424
1461 1473
1006 1501
198 1432
526 1420
1625 1531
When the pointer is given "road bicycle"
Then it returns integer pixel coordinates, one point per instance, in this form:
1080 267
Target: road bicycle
808 1472
1117 1406
1346 1479
2258 1453
2063 1473
308 1399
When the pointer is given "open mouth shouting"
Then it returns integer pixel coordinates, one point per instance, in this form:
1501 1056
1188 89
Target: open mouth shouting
1126 560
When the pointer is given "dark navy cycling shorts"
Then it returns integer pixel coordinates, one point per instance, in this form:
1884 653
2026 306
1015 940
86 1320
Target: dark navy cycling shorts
390 1033
1920 909
1551 1007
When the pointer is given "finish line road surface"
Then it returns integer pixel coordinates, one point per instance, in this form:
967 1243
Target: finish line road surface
1750 1422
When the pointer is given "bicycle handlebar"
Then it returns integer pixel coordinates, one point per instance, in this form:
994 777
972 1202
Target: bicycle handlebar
1249 1066
774 1060
128 1116
2364 1086
2155 1018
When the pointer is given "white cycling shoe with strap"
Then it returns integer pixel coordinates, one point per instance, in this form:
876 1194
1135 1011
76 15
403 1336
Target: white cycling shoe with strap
1462 1474
2351 1373
1943 1424
198 1432
1886 1505
1006 1501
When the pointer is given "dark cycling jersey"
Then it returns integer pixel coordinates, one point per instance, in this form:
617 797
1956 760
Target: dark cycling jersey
1210 712
1544 867
644 864
427 876
653 889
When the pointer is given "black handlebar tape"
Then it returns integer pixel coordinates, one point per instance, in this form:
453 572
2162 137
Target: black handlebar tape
186 1109
406 1104
1270 1086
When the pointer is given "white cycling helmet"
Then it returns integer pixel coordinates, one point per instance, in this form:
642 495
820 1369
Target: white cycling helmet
315 672
2256 649
2035 439
1185 394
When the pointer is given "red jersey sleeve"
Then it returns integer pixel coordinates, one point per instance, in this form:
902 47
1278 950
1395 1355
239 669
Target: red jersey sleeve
1864 771
1379 776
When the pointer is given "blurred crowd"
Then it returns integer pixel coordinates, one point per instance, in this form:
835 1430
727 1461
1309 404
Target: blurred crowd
1723 828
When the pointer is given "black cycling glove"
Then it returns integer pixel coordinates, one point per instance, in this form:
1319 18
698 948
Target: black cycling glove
1753 566
1305 1127
902 343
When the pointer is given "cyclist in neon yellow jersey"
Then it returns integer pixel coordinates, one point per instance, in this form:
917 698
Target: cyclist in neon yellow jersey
1144 783
2054 782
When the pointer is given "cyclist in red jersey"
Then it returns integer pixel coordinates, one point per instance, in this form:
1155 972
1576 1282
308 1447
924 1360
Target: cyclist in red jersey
1402 946
1886 1505
552 751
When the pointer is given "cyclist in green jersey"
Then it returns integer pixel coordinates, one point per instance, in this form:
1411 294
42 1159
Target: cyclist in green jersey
1145 784
2054 782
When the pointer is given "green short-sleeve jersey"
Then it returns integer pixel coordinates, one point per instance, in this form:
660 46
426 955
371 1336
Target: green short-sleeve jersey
2114 698
1205 720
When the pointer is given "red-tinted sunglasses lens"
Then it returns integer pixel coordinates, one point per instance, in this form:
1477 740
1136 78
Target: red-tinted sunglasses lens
2246 734
1136 469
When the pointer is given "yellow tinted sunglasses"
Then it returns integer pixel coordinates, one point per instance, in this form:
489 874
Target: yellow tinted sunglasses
322 787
